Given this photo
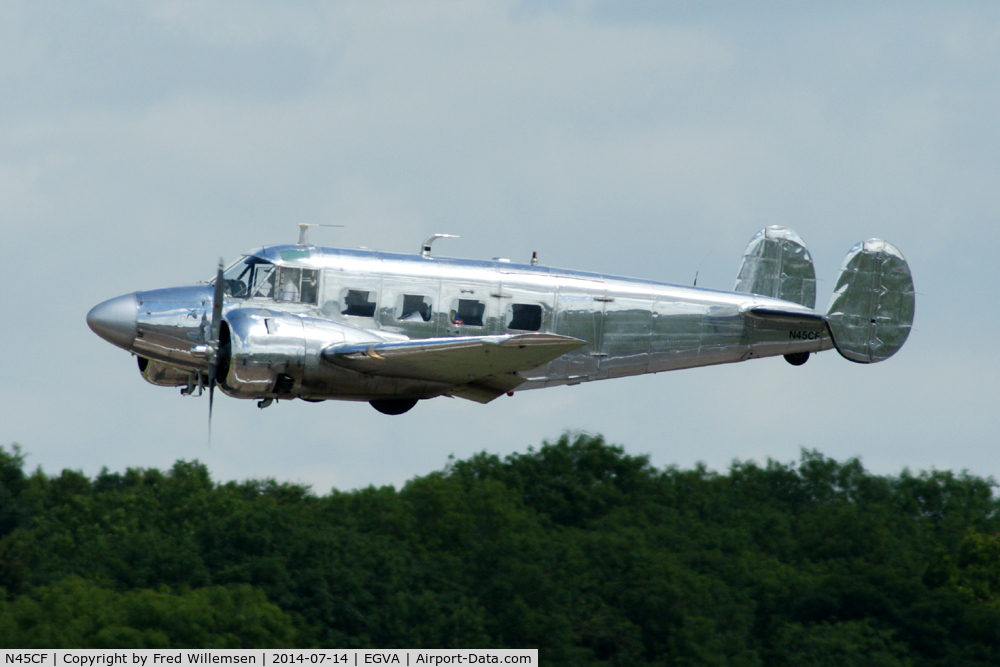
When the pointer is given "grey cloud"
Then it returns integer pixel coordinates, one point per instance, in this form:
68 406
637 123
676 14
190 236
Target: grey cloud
142 143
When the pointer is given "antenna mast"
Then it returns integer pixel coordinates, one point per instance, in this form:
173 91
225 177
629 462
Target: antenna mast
304 229
425 247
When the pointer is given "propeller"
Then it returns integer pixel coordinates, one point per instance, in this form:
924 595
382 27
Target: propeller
212 344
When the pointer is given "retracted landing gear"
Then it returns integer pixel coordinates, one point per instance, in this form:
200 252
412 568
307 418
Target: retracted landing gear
194 384
264 402
393 406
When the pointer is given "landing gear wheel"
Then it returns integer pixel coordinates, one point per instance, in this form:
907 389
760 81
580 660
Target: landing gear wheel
797 359
394 406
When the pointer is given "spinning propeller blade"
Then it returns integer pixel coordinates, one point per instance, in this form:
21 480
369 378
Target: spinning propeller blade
213 342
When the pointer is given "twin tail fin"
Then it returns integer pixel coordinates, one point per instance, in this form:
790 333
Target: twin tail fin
776 263
871 311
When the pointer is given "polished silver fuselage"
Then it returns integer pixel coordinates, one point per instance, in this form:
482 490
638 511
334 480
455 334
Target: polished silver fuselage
629 326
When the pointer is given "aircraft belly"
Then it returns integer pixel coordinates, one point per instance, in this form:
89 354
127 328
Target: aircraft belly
348 385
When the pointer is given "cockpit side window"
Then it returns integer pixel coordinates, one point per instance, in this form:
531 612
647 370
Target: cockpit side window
310 285
263 284
251 276
297 285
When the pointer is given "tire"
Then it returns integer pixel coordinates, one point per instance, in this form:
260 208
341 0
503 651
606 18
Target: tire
393 406
797 359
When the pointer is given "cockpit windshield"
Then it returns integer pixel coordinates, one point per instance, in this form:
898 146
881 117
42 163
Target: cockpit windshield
249 277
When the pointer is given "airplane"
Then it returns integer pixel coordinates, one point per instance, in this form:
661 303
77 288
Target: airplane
317 324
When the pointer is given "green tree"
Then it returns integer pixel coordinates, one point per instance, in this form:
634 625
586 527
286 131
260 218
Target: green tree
74 613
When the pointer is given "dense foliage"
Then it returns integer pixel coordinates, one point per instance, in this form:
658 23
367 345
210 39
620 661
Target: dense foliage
589 554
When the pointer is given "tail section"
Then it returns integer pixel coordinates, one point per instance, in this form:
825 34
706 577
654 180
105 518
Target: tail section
776 263
871 310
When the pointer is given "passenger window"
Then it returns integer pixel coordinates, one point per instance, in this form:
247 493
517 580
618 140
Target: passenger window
295 285
524 317
413 308
359 303
468 312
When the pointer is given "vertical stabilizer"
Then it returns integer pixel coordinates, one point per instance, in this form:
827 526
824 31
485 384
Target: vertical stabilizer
776 263
871 310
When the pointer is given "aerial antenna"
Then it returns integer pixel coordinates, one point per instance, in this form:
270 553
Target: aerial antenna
425 247
699 267
304 229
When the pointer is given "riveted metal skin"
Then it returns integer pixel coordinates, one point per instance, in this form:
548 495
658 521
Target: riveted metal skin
871 310
776 263
320 338
170 322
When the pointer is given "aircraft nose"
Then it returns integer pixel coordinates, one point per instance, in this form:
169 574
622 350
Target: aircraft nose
115 320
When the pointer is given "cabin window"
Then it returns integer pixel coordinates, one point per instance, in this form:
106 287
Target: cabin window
310 285
413 308
250 276
468 312
359 303
263 283
297 285
524 317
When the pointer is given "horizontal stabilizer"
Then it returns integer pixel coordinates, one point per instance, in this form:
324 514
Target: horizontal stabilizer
776 263
872 307
784 328
480 367
793 315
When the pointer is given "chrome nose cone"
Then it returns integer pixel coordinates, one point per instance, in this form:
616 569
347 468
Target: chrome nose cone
115 320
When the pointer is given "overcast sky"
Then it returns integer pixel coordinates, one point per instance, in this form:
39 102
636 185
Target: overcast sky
139 142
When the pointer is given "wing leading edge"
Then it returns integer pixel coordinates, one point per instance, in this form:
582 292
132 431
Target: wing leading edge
479 368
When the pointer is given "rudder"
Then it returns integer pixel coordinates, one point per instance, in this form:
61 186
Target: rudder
871 310
776 263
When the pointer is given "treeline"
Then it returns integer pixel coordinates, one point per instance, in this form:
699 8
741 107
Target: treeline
579 549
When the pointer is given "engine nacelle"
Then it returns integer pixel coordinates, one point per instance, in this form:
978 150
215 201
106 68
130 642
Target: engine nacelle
163 375
268 354
262 354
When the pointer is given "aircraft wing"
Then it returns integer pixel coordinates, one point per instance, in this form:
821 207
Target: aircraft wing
480 368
